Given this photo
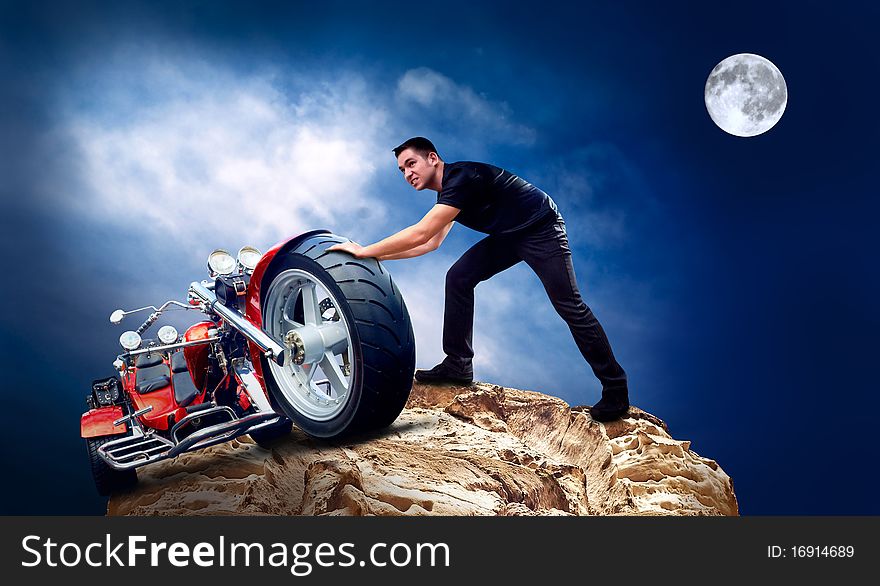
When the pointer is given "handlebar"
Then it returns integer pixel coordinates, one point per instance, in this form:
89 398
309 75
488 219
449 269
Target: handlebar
150 321
117 316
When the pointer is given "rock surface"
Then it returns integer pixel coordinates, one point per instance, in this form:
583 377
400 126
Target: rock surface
479 450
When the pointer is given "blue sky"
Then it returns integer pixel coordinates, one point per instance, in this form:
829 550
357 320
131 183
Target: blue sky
735 277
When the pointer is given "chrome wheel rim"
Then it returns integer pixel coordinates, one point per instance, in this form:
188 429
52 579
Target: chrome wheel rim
320 387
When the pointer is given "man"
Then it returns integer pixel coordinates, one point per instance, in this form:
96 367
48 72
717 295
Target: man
523 224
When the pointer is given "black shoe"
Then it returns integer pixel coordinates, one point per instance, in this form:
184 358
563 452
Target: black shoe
442 374
614 404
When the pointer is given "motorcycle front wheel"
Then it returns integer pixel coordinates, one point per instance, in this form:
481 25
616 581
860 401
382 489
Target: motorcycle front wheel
350 353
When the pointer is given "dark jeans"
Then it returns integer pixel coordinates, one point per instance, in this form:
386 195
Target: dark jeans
544 247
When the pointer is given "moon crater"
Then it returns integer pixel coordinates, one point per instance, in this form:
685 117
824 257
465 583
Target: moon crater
746 95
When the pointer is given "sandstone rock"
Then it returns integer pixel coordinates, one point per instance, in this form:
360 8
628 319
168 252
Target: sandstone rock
479 450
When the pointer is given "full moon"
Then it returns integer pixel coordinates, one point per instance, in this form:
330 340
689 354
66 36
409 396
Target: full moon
746 95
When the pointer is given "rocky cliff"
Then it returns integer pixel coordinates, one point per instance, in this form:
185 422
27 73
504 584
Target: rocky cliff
479 450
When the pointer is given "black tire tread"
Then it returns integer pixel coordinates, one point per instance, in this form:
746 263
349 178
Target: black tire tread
383 326
107 480
268 438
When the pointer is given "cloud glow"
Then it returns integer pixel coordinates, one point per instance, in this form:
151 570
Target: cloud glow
462 108
240 158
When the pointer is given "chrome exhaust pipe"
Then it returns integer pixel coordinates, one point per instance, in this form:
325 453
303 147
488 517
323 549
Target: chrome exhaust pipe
270 347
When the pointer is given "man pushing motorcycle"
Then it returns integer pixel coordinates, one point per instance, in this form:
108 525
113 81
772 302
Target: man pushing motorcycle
523 224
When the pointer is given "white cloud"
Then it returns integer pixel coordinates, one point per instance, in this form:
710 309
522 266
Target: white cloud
461 108
600 192
220 153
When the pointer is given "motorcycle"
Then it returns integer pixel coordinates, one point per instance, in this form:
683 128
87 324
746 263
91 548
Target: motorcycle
297 335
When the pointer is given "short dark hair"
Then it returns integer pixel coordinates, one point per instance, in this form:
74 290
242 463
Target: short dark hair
420 144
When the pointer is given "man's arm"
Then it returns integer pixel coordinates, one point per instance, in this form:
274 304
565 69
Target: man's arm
430 246
435 221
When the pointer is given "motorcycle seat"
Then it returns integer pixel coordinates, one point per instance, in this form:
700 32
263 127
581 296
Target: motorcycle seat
178 362
152 378
153 384
184 388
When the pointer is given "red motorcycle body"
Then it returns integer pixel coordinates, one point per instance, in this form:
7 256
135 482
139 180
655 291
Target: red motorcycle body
178 393
99 422
165 409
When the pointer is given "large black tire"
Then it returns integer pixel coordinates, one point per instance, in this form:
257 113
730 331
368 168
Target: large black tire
107 480
381 337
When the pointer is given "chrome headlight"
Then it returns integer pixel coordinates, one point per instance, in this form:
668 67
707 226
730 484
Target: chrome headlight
130 340
168 334
248 257
220 262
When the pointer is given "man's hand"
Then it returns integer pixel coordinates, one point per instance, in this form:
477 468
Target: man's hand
353 248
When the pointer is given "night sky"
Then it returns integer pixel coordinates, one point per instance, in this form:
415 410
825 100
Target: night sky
736 277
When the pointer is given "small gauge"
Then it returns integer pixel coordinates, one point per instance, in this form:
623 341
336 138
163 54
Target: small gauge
130 340
168 334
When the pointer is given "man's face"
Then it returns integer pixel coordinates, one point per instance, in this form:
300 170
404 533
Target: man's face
419 171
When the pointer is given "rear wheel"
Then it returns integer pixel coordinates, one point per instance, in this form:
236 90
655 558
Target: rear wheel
350 346
107 480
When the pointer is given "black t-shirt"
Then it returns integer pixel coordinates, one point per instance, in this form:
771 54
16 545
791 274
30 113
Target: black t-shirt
492 200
